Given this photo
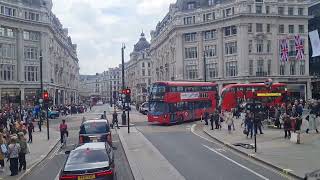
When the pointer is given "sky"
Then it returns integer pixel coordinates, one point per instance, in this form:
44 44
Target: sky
99 27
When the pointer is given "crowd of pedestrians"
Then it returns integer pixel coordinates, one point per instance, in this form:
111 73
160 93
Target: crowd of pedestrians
16 124
287 116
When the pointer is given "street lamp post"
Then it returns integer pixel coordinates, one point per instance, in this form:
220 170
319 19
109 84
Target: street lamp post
41 86
123 85
204 66
254 120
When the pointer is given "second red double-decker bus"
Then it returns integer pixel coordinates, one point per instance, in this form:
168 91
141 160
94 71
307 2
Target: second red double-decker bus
233 95
171 102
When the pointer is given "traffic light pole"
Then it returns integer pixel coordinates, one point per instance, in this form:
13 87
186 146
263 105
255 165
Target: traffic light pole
128 121
123 86
42 92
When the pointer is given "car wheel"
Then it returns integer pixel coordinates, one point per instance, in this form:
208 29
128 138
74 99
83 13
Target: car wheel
145 112
52 116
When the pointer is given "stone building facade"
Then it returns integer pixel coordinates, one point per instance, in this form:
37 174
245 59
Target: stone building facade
26 29
138 70
237 41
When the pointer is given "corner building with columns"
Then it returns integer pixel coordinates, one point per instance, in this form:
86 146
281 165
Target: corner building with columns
28 27
237 41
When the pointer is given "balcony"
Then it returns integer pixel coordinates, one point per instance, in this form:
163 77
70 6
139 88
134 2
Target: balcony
261 74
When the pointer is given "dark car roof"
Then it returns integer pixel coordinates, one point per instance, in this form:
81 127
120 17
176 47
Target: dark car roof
93 146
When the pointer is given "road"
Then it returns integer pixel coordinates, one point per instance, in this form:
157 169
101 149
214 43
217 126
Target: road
50 167
197 156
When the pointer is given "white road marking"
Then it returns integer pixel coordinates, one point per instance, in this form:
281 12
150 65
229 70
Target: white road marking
57 177
193 131
244 167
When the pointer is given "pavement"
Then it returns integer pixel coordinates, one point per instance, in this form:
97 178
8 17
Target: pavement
273 149
39 149
49 168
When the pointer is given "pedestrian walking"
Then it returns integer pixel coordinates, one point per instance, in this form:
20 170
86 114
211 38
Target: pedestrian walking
313 124
287 126
115 119
3 151
212 120
23 151
30 130
216 119
13 153
229 121
258 122
206 116
249 124
63 130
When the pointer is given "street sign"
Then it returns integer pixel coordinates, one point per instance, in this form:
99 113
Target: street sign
268 94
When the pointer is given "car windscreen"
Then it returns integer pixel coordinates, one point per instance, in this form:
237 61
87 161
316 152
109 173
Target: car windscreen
94 128
85 156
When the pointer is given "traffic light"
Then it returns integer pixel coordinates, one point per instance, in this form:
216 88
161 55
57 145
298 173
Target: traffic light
45 96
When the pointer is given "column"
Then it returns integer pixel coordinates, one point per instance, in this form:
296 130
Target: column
20 55
220 46
275 63
309 90
0 97
243 50
201 62
44 48
22 95
179 57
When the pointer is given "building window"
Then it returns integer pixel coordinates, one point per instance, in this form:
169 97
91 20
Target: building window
209 35
7 32
301 28
268 46
229 12
30 35
268 28
292 68
291 29
281 28
230 30
190 37
191 5
31 16
191 53
250 27
8 11
210 2
210 50
7 50
189 20
143 72
260 1
143 64
292 48
231 48
267 9
259 27
300 11
31 73
281 10
249 9
259 46
192 72
231 69
282 68
258 9
209 17
302 68
250 46
30 53
269 67
260 67
290 11
149 72
212 70
7 72
250 67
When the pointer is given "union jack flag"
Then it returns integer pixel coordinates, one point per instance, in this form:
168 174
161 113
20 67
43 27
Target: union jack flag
299 47
284 49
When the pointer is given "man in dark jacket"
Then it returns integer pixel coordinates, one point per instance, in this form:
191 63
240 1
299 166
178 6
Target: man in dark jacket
115 119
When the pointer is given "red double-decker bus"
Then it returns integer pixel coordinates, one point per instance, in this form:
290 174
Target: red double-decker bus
171 102
233 95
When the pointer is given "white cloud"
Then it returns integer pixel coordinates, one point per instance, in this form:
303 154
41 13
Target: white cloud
99 27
